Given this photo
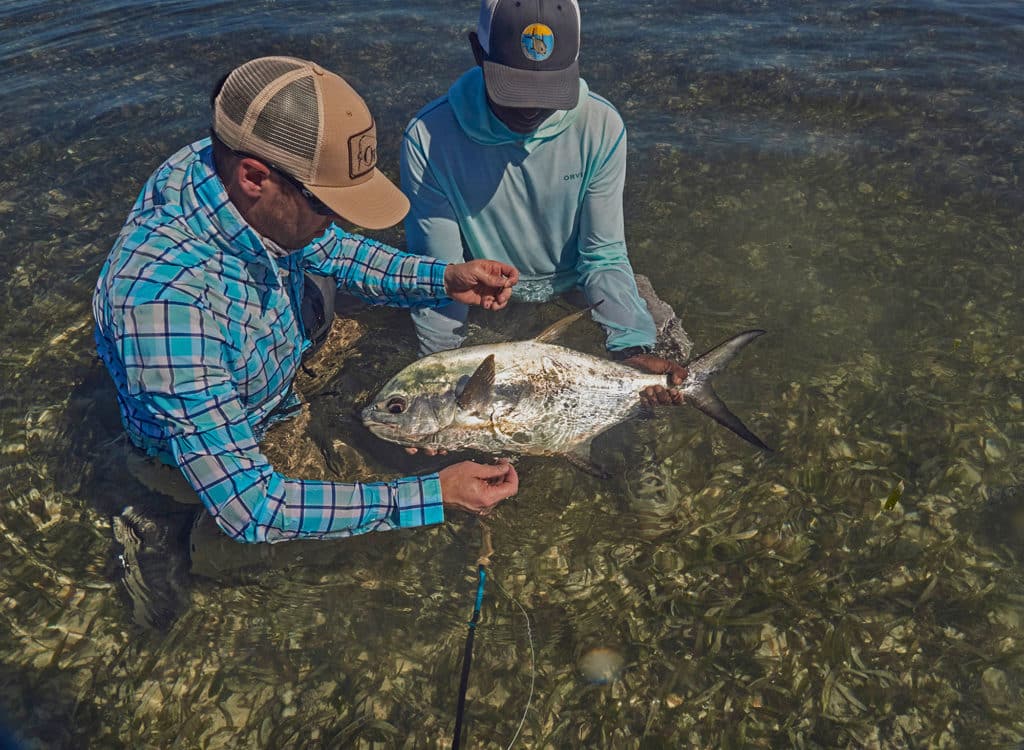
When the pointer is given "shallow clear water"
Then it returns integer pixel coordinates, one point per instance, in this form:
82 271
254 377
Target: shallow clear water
846 175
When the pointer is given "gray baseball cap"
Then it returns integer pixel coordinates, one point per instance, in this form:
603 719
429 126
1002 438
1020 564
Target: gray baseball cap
531 52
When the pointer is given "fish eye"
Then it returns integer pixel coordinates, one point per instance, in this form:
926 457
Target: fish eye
395 405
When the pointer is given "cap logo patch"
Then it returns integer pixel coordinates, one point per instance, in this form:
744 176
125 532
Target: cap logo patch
362 152
538 42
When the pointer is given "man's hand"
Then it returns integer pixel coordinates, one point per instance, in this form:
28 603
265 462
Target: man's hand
477 488
486 283
659 395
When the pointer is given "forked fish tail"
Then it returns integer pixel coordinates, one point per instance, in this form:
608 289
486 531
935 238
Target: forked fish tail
700 394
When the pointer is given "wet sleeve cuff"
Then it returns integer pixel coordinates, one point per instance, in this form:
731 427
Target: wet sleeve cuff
418 501
430 277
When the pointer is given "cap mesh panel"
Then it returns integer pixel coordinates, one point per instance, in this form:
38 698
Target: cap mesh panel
290 120
247 82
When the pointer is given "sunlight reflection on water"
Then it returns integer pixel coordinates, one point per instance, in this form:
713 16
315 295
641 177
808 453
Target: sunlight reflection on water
847 177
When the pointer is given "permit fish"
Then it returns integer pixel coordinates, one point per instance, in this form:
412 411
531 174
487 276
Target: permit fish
533 397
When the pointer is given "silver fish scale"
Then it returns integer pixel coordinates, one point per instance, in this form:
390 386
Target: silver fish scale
546 399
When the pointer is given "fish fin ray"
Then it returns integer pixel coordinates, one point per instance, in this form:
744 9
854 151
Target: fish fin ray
708 402
554 330
715 359
479 388
582 461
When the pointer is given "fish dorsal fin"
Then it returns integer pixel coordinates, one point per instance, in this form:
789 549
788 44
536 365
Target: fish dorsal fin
479 387
556 328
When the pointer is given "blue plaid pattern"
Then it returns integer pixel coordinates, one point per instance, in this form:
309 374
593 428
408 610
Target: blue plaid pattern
199 326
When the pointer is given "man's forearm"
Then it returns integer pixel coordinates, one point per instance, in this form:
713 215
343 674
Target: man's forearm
252 503
382 274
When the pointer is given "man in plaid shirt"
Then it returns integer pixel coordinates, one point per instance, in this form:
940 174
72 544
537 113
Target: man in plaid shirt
199 305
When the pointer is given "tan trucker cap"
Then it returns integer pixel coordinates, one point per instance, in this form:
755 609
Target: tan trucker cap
310 123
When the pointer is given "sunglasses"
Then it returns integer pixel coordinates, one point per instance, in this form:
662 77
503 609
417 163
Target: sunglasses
315 203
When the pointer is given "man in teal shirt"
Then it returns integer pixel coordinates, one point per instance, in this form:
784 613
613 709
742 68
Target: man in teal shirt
520 162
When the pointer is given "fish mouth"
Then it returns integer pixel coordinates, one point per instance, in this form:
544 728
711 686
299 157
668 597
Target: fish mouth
372 422
386 427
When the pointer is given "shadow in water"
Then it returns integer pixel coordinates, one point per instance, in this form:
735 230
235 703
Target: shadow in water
38 708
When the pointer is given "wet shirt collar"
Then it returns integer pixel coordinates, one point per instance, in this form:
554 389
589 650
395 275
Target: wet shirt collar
196 188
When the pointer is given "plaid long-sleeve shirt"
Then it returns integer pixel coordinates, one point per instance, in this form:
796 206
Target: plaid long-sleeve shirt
199 326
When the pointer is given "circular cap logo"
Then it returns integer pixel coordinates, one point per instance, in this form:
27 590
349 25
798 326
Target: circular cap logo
538 42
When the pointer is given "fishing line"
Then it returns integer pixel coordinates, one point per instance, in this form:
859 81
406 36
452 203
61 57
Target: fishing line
533 664
485 559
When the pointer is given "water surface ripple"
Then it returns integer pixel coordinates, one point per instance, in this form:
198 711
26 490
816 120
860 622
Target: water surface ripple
846 175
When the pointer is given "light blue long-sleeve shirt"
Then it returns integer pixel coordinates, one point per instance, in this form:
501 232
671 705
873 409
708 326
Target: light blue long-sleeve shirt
548 202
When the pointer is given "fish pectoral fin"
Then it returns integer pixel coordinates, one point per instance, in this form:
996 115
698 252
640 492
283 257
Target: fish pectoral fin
581 460
479 388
